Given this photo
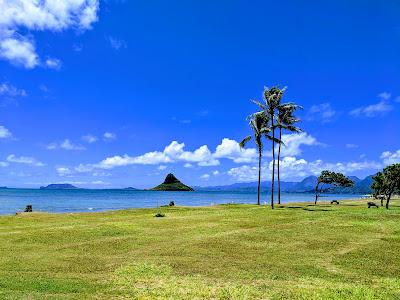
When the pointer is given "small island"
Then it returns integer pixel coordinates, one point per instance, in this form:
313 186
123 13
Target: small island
59 186
130 189
171 183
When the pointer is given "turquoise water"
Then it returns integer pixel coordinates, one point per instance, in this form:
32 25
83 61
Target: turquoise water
67 201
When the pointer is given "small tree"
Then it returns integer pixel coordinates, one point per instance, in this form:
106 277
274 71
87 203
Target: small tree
387 183
328 180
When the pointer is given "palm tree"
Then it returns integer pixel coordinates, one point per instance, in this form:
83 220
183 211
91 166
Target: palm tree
285 120
259 125
272 100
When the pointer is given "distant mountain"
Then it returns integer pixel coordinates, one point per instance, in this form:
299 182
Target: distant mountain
171 183
130 189
59 186
307 185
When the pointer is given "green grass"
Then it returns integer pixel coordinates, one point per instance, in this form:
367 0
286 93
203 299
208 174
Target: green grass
299 251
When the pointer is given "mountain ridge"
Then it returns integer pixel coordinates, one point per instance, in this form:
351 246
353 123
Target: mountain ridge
307 185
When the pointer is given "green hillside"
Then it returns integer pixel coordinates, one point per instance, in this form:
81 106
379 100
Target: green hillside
171 183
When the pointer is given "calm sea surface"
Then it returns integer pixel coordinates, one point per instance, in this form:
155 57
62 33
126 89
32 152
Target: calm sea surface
63 201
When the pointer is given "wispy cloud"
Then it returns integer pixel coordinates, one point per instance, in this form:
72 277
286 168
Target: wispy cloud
24 160
205 176
351 146
372 110
65 145
181 121
10 93
109 136
321 112
5 133
53 63
115 43
89 138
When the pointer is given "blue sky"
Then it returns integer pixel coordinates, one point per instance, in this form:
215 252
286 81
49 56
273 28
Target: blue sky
119 93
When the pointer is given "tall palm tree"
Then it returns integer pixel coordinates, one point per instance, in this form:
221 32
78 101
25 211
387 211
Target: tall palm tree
285 120
272 100
259 125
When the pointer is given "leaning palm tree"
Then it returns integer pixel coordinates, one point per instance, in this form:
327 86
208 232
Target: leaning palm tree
285 120
272 100
259 125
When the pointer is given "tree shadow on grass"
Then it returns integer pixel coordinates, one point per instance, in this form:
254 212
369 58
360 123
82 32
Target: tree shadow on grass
316 209
310 207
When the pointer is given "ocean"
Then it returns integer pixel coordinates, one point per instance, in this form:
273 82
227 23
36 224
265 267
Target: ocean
83 200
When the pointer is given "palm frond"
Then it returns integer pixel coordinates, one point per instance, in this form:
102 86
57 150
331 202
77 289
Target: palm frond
261 105
243 143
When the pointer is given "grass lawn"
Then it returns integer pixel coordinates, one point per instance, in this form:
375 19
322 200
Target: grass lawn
299 251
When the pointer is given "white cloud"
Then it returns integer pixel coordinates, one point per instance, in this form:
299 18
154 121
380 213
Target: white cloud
34 15
202 156
63 171
109 136
380 108
53 63
162 167
19 51
244 173
65 145
230 149
24 160
5 133
321 112
391 157
205 176
293 142
116 43
216 173
89 138
296 169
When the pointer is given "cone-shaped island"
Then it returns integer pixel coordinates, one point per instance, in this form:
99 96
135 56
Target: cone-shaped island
171 183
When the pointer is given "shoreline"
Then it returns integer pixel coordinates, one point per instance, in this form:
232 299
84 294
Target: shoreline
277 206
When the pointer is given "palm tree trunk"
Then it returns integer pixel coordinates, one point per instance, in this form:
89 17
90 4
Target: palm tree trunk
259 175
279 175
273 164
316 194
